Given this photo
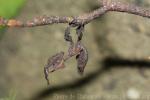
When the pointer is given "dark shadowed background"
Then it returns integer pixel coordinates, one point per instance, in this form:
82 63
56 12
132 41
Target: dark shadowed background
118 46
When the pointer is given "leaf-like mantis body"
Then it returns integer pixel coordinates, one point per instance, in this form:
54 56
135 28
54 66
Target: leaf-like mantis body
67 36
54 63
82 58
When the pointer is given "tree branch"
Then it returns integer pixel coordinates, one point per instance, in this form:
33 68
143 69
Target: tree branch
107 6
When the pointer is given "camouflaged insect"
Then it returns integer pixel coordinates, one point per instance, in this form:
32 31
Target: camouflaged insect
79 32
57 61
54 63
67 36
74 50
82 58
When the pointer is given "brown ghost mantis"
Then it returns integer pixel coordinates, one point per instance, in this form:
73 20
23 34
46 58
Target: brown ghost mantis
75 49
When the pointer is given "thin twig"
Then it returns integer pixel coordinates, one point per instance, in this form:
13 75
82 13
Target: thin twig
107 6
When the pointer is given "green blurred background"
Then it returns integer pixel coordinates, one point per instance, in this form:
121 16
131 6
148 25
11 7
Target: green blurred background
119 36
10 9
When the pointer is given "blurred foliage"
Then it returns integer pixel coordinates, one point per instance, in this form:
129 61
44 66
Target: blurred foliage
9 9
